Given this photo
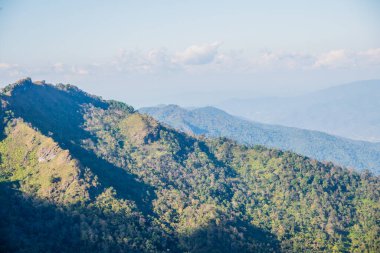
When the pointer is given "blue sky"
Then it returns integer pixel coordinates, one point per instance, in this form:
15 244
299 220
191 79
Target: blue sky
190 52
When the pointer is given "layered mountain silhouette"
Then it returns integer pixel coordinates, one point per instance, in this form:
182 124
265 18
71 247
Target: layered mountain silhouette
82 174
214 122
349 110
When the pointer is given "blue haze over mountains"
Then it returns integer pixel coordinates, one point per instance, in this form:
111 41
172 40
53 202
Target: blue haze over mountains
350 110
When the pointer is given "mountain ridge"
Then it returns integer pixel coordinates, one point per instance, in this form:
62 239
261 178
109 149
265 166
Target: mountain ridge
214 122
348 110
149 188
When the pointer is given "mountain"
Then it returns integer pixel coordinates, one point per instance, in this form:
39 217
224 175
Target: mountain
349 110
82 174
214 122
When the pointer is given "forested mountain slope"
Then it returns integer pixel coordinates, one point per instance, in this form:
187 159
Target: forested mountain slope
214 122
79 173
349 110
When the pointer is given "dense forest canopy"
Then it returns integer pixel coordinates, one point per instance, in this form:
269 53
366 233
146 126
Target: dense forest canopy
79 173
213 122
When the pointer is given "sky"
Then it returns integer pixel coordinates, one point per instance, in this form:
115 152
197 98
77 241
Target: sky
190 53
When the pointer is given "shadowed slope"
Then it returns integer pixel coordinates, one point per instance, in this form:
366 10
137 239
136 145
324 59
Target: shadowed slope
58 113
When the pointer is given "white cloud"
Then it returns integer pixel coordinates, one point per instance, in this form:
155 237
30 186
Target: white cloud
136 61
67 69
287 60
197 54
59 67
79 70
206 58
7 65
211 58
348 59
4 65
335 59
161 60
11 70
370 57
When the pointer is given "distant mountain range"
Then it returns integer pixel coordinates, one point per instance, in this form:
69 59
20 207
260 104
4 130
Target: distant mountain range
214 122
350 110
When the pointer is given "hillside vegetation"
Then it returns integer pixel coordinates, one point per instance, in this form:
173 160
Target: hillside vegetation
81 174
214 122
